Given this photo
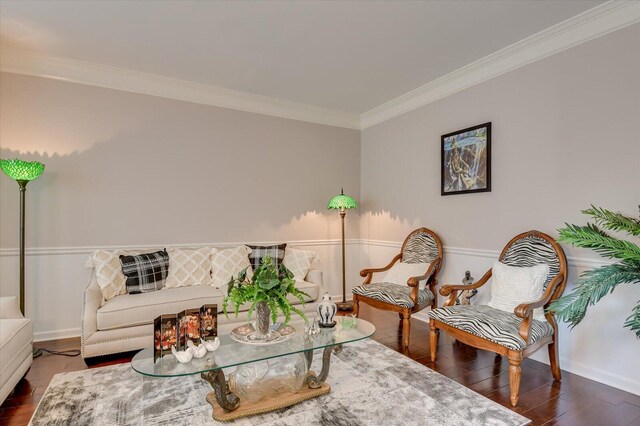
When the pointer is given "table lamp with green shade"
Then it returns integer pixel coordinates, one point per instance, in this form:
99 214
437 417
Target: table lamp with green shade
22 172
343 203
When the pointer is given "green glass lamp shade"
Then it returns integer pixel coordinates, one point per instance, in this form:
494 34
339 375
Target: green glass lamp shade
22 170
342 202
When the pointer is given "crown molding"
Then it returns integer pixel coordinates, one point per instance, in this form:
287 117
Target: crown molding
593 23
36 64
596 22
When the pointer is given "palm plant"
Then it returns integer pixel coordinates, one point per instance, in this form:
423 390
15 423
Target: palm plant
594 284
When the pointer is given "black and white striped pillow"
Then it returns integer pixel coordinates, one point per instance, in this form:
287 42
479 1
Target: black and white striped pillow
258 252
145 272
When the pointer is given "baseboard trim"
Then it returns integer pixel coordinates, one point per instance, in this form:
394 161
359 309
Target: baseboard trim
43 336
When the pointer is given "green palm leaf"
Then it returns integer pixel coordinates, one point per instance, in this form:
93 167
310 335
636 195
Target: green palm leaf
594 284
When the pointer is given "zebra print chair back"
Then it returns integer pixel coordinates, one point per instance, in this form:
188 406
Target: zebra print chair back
421 246
534 248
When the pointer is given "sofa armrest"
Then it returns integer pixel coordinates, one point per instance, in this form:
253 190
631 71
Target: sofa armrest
10 308
314 276
92 300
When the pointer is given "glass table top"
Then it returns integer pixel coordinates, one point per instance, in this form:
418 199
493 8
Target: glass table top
232 353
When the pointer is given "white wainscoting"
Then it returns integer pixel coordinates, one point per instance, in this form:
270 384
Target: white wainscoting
599 348
56 278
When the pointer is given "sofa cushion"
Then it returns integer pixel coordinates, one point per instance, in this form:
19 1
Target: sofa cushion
16 336
145 272
228 263
310 288
491 324
108 273
298 261
189 266
276 252
393 294
130 310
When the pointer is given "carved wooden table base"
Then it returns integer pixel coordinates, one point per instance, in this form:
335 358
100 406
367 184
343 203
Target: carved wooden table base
227 405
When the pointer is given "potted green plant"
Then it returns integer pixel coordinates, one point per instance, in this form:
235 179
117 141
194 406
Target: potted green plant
267 293
594 284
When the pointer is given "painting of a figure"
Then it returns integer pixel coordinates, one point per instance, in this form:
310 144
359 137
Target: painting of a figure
466 160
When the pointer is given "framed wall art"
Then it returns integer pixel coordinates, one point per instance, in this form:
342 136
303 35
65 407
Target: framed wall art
466 160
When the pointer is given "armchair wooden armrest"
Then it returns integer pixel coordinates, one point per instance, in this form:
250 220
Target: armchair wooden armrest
525 310
451 290
368 273
413 281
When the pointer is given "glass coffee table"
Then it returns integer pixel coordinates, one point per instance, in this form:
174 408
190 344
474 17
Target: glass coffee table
231 353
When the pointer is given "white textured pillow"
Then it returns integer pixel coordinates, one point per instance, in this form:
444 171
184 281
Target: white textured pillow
189 267
298 262
512 285
108 271
401 272
228 263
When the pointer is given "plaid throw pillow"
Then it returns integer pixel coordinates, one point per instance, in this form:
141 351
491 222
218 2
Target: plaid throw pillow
258 252
145 272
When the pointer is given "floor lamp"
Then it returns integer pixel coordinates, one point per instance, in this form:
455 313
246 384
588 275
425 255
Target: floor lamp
22 172
343 203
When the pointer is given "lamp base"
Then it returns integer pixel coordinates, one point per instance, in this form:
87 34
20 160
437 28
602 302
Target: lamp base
345 306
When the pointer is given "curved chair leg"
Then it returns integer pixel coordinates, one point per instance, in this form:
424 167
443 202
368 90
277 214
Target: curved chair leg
553 357
406 327
433 340
515 359
356 305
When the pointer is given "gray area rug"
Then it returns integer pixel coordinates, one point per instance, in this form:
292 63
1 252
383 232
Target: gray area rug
370 385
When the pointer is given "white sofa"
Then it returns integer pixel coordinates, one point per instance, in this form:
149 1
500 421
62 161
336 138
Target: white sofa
16 345
125 322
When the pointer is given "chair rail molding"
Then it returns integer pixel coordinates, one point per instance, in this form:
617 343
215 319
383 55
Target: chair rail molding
48 251
35 64
593 23
577 262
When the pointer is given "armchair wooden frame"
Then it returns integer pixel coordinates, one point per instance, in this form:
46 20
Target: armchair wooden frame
524 311
431 274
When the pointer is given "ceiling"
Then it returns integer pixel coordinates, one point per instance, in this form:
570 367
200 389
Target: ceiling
348 56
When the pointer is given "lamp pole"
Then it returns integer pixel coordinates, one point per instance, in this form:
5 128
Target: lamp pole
344 306
23 189
342 203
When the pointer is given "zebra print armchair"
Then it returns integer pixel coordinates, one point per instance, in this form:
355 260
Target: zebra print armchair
514 335
420 246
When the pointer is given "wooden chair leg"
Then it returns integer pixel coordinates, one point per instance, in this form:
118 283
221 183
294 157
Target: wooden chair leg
433 340
406 327
515 359
553 358
356 305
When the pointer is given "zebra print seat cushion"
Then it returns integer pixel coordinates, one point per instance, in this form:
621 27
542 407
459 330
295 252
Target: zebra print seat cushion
394 294
491 324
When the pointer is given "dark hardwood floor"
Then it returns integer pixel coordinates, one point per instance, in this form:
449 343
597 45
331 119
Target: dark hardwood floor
574 401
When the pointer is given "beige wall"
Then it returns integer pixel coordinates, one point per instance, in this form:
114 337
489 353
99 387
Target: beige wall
565 135
128 169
